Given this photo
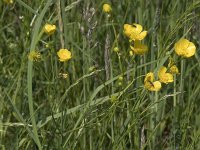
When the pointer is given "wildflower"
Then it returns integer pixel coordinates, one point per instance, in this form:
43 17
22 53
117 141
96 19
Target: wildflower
34 55
107 8
134 32
64 55
150 84
139 48
116 49
172 67
163 76
185 48
8 1
49 29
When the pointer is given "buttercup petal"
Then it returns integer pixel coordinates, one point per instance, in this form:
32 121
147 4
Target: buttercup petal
149 84
142 35
162 71
128 29
107 8
163 76
190 51
156 86
182 44
149 77
170 77
137 28
134 32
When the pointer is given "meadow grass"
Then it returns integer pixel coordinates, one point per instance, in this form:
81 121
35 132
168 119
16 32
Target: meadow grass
97 99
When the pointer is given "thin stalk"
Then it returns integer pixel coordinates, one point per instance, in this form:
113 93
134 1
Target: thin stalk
174 97
64 21
30 72
30 102
60 22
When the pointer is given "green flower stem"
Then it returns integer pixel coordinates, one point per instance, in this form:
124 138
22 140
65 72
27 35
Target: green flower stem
174 105
116 41
174 97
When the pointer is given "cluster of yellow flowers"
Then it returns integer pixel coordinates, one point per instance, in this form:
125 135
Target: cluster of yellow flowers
136 34
183 48
63 54
163 75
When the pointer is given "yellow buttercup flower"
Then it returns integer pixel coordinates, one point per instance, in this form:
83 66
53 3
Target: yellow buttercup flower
172 67
165 77
150 84
49 29
64 55
185 48
34 55
139 48
107 8
134 32
8 1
